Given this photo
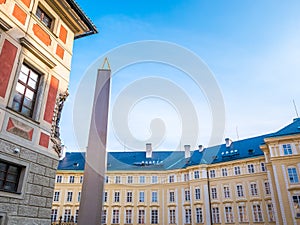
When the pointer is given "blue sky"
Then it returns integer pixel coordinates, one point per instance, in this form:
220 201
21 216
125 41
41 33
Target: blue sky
252 48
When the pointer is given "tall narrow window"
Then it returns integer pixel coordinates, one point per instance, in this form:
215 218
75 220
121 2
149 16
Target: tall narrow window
129 196
104 216
69 196
53 215
105 197
154 180
142 196
229 214
79 196
171 178
129 179
187 195
215 215
257 213
188 216
226 192
26 91
224 172
141 216
58 179
76 215
270 212
154 216
212 173
44 17
186 177
71 179
239 190
115 216
242 213
296 200
196 174
142 179
172 196
253 189
214 194
56 196
293 175
263 167
154 196
67 215
117 196
199 215
267 188
197 193
128 216
117 179
172 216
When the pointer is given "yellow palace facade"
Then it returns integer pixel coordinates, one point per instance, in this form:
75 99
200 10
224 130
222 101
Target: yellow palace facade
250 181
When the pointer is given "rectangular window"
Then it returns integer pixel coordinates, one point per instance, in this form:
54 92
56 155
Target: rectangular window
237 170
81 179
271 214
196 174
250 168
71 179
293 175
105 197
212 173
172 196
79 196
253 189
129 180
257 213
242 213
128 216
263 167
267 188
296 200
76 215
106 179
117 180
69 196
154 216
154 180
67 215
215 215
154 196
187 195
172 216
129 196
142 196
224 172
44 17
117 196
186 177
199 215
239 190
56 196
214 194
226 192
142 179
115 216
188 216
53 215
171 179
26 91
58 179
141 216
104 216
229 215
197 193
287 149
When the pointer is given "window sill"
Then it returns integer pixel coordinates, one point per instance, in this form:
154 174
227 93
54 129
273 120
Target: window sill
21 116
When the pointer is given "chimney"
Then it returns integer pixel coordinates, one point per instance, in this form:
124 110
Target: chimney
201 148
187 151
228 142
148 150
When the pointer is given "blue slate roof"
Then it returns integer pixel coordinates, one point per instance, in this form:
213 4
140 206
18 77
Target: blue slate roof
169 160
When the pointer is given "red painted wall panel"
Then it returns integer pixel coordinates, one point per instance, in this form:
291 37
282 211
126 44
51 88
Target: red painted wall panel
7 59
51 99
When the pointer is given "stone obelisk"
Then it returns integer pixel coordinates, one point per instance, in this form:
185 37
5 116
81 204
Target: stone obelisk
95 160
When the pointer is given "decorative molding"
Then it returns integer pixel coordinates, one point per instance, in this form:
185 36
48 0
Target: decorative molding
20 129
4 25
28 45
